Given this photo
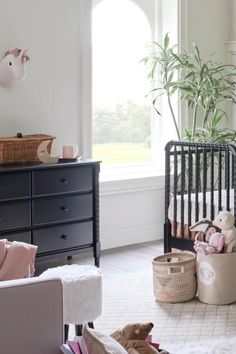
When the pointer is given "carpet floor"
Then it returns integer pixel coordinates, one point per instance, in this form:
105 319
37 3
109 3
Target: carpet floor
129 298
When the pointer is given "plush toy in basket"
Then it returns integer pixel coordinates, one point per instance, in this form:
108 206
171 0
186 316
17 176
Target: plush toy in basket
220 235
214 242
134 338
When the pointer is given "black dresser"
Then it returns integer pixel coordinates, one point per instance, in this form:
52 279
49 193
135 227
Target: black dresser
54 206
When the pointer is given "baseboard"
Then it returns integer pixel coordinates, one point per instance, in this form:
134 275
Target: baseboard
131 235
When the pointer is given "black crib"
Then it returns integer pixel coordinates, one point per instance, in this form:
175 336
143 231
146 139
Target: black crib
199 182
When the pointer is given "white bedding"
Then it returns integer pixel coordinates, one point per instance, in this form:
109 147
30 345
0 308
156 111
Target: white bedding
200 204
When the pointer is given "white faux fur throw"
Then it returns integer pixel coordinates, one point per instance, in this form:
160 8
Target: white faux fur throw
82 291
223 345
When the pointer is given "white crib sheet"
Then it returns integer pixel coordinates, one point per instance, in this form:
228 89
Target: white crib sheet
200 204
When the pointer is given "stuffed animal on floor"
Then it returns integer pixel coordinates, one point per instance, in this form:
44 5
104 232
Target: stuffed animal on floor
225 221
133 338
215 243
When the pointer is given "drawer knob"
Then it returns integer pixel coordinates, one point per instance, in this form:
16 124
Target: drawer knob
64 208
64 180
64 236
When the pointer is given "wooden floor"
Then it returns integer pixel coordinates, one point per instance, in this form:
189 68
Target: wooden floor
119 260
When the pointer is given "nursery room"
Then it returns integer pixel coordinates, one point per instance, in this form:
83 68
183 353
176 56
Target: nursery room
117 176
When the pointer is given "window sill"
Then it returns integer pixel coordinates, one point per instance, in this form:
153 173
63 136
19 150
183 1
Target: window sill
120 179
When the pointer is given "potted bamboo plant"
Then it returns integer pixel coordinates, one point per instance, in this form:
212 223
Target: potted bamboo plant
205 85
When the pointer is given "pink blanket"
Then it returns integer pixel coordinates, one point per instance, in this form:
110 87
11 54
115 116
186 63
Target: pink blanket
16 259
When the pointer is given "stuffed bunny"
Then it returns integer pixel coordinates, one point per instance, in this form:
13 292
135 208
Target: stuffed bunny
225 221
215 243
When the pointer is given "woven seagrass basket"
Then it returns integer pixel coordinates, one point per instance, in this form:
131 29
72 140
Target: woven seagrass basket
14 150
174 277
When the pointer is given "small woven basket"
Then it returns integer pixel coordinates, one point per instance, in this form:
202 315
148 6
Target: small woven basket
16 150
174 277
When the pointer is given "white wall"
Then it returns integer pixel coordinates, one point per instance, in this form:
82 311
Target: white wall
48 100
231 51
232 19
207 25
132 211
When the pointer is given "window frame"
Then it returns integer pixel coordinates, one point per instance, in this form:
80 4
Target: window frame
125 171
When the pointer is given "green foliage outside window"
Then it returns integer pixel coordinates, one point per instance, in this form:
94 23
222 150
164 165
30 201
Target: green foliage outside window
126 123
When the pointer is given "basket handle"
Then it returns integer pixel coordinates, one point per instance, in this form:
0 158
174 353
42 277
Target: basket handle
169 259
176 269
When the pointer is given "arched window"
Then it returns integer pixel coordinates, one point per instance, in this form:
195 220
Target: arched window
122 114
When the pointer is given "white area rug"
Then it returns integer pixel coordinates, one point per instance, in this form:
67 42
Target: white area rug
220 346
179 328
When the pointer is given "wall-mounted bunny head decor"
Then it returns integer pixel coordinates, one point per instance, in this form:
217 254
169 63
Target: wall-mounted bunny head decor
13 67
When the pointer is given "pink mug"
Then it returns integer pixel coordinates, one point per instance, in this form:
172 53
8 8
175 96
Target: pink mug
69 151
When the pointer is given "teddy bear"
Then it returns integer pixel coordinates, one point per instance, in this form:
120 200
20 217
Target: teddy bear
215 243
225 221
133 338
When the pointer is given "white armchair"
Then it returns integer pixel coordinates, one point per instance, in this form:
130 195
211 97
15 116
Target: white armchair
31 316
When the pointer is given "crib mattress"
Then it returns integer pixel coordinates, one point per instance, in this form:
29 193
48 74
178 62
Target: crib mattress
200 205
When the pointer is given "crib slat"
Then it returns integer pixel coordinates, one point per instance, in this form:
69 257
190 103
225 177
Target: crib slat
227 178
197 182
234 186
212 184
190 166
232 182
232 172
167 226
220 181
175 189
182 190
204 178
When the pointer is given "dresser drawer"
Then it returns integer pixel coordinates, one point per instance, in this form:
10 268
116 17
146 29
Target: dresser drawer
66 208
15 215
62 180
14 185
18 236
63 236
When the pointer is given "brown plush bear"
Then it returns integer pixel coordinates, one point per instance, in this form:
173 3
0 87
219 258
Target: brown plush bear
132 338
